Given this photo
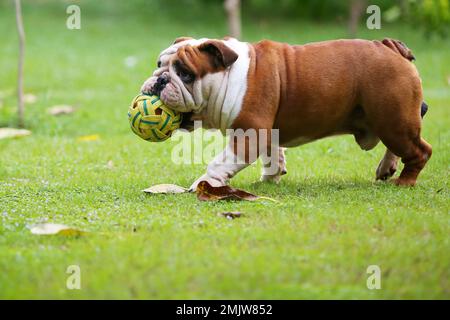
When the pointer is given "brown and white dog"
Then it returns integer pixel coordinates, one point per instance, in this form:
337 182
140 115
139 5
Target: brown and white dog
369 89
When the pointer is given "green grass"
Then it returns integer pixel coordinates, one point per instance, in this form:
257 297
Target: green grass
330 223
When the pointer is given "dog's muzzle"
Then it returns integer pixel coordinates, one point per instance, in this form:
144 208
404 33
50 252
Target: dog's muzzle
160 84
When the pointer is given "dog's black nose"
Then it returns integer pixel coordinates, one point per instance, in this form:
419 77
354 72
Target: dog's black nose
163 79
160 84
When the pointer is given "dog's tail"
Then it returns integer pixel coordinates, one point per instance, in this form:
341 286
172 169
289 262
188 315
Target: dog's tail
400 48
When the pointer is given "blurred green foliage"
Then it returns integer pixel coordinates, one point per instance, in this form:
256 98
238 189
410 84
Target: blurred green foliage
430 16
433 15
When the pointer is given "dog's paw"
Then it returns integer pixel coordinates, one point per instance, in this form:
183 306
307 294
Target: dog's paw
404 182
273 178
212 181
270 178
386 169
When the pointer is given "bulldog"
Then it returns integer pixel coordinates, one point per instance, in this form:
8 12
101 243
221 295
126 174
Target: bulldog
369 89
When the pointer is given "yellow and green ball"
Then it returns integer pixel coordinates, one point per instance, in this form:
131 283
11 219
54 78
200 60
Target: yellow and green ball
151 120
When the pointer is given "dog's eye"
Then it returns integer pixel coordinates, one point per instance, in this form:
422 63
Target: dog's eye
159 63
186 77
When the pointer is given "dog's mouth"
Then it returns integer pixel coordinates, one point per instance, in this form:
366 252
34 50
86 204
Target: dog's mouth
187 123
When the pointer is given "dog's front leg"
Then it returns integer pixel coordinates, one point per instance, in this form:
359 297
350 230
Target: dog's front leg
222 168
242 150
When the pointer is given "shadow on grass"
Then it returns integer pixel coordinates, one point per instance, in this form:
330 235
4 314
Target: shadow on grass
320 187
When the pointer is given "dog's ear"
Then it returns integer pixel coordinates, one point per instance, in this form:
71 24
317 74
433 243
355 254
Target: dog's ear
223 56
180 39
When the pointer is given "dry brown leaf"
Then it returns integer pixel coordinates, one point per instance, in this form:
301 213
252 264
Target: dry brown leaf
230 215
55 229
6 133
165 188
61 110
206 192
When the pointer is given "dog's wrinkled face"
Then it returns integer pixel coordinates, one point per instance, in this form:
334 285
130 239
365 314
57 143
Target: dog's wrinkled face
188 73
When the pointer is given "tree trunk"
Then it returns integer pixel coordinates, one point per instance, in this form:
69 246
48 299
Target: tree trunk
356 11
233 9
21 32
404 7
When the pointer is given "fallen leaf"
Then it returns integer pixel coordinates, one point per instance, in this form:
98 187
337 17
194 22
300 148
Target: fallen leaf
165 188
60 110
29 98
130 61
6 133
92 137
110 165
206 192
4 94
55 229
230 215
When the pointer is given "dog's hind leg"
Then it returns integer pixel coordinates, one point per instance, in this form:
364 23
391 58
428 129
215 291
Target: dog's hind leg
274 165
388 165
404 141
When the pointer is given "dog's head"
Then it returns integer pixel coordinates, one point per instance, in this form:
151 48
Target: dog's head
188 72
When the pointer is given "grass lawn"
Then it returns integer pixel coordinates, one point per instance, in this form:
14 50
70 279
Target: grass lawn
330 223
